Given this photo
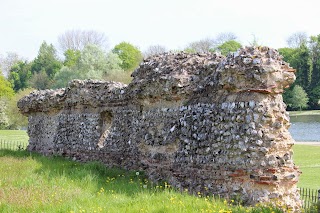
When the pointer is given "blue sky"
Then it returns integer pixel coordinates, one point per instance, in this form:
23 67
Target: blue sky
173 23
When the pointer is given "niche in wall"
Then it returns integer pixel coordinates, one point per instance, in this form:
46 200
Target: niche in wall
105 125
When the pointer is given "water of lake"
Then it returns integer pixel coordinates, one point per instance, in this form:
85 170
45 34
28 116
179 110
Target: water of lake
305 127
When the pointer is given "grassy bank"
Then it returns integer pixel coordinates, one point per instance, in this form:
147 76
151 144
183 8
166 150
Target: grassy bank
306 112
308 159
32 183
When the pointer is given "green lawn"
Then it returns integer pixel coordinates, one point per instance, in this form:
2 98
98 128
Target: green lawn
14 135
307 157
13 139
33 183
305 112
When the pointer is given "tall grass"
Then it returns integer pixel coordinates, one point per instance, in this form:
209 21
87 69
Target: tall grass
33 183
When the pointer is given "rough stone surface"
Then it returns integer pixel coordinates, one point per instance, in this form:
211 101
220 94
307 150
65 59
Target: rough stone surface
202 122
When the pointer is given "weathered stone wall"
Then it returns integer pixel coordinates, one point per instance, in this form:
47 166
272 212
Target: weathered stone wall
203 122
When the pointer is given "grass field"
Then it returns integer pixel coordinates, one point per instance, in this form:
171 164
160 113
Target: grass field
14 135
306 112
13 139
308 159
33 183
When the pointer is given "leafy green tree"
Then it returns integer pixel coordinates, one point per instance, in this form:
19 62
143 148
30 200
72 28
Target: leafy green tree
303 66
286 97
6 92
298 98
4 122
46 61
71 57
44 67
314 100
130 55
229 46
40 80
19 75
96 64
93 63
65 75
113 64
15 119
304 56
315 57
115 72
211 44
288 54
300 59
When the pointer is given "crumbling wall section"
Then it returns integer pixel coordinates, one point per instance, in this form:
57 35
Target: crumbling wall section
202 122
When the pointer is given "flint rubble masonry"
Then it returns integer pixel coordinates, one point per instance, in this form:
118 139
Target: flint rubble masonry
202 122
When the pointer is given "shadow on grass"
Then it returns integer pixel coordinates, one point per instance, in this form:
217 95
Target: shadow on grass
97 176
90 173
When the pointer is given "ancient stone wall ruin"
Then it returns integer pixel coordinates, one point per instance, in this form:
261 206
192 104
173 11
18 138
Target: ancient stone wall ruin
202 122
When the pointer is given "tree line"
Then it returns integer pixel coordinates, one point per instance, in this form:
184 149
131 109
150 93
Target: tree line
303 54
86 55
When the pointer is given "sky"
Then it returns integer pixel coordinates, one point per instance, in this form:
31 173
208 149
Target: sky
24 25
